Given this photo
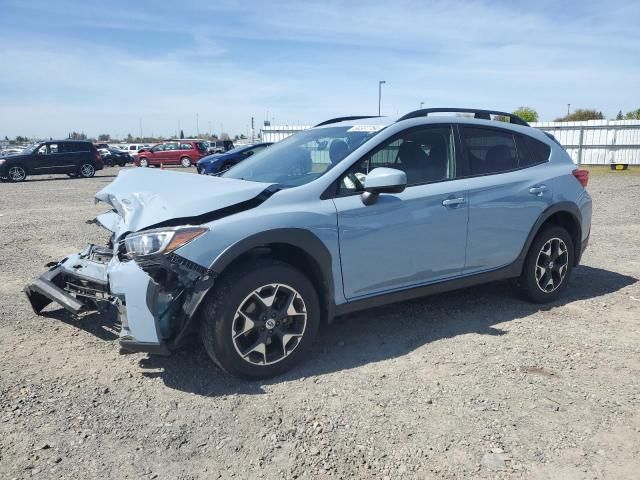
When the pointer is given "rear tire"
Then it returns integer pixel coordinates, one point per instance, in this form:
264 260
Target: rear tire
185 162
260 320
87 170
143 162
548 265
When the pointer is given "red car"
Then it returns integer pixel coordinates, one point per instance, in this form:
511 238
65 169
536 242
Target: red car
182 152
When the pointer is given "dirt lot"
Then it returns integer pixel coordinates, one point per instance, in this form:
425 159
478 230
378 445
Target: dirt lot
474 383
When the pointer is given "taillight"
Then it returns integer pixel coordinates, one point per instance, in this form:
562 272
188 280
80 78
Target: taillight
582 176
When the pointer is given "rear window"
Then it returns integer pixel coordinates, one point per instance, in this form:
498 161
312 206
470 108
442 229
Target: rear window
531 151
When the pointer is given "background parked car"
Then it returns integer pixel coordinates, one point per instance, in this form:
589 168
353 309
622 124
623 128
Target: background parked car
184 152
117 157
75 158
134 148
221 162
10 151
220 146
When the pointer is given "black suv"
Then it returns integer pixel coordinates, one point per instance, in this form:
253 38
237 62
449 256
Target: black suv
75 158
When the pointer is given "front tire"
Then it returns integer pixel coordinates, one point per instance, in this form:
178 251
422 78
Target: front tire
548 265
260 320
143 162
185 162
17 173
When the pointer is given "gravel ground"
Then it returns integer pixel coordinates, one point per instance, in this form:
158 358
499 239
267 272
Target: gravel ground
474 383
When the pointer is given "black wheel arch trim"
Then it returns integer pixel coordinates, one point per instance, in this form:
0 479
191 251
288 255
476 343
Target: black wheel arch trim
560 207
296 237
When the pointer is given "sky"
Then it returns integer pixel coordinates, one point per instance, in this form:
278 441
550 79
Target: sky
122 67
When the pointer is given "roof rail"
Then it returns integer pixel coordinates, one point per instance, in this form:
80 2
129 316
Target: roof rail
344 119
481 114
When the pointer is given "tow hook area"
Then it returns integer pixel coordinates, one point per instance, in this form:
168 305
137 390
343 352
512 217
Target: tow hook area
78 282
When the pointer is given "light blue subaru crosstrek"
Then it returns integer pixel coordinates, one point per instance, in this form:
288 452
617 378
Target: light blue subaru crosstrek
353 213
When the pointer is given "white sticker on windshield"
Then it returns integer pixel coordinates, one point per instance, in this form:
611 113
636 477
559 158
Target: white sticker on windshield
366 128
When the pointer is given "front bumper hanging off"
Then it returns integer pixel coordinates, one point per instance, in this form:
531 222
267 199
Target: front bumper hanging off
92 280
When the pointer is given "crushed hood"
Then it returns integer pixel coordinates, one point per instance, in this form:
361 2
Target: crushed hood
145 197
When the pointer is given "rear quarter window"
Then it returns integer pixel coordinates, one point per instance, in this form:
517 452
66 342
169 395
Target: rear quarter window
531 151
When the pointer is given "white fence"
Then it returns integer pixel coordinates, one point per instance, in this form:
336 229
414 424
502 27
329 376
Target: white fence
598 142
594 142
280 132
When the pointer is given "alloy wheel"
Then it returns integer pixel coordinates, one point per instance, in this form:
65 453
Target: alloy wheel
185 162
552 265
87 170
269 324
17 174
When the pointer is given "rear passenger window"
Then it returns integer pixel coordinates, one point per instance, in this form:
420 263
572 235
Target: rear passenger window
186 146
489 151
531 151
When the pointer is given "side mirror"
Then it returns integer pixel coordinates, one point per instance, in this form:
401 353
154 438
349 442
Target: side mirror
383 180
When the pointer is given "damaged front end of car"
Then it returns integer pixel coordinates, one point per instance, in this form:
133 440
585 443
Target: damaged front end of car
140 272
156 293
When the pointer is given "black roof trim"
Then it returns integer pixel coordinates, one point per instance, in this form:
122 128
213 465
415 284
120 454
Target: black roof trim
481 114
344 119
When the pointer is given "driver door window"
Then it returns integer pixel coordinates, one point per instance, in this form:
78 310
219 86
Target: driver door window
426 155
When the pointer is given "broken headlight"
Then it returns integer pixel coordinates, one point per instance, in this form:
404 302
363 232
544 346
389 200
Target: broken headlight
165 240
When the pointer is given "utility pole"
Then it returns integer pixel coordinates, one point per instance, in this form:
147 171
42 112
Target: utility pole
380 82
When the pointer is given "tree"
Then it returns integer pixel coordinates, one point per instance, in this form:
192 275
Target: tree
77 136
129 138
527 114
619 116
104 137
633 115
181 134
581 114
224 136
236 138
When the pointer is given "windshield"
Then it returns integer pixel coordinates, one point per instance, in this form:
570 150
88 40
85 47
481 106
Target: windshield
30 149
303 157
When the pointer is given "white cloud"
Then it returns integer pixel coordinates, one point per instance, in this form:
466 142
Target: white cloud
308 61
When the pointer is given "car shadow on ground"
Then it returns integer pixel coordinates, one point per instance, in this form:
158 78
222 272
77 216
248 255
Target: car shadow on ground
103 325
365 337
384 333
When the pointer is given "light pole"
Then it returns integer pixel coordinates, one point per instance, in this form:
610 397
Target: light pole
197 127
421 105
140 128
380 82
568 109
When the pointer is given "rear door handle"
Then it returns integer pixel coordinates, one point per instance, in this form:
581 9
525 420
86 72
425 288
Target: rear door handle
452 202
538 190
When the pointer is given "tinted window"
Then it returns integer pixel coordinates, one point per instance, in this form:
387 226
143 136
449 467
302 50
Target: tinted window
425 155
171 146
74 147
489 150
186 146
531 151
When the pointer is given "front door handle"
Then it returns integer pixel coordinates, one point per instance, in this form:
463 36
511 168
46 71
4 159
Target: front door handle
452 202
538 190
